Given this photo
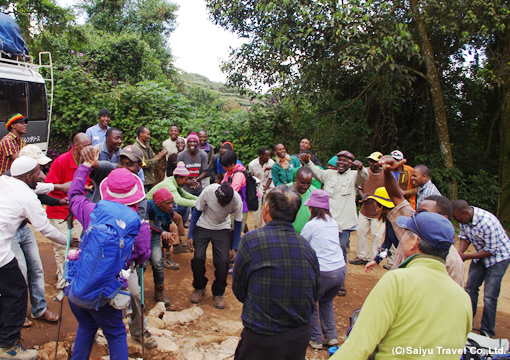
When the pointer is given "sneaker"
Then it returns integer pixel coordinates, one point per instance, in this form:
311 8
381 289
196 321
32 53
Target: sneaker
197 296
18 351
387 267
148 341
230 269
358 261
330 342
219 302
181 248
315 345
169 264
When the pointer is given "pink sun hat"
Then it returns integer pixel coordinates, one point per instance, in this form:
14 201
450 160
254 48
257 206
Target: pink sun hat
122 186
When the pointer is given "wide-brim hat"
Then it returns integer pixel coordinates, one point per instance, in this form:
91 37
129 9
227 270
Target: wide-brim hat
122 186
319 199
382 197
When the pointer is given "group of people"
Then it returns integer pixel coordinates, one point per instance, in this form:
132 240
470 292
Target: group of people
286 272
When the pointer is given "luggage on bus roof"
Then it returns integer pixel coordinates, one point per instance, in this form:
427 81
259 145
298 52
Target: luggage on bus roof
11 40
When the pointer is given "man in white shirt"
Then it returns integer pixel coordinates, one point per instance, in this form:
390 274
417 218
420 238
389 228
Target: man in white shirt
261 169
18 203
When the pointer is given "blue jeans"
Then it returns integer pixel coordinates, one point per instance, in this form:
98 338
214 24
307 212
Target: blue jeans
331 282
344 241
492 276
156 259
106 318
26 251
183 211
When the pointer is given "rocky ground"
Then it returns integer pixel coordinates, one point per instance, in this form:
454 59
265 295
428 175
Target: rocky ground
202 332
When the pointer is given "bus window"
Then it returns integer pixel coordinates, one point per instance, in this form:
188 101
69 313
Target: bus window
13 98
37 102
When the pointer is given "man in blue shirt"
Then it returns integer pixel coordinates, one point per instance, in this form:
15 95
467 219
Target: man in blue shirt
97 133
276 276
109 149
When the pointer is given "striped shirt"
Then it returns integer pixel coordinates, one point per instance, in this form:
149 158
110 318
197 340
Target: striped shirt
9 145
487 234
425 191
276 276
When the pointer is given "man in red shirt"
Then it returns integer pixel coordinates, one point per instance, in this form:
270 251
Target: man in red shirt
61 171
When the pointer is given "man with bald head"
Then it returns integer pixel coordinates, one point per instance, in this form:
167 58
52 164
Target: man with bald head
420 178
61 171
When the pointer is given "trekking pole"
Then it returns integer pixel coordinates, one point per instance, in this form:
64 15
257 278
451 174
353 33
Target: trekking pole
66 264
143 320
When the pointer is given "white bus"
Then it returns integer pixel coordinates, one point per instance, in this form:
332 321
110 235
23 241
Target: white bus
24 90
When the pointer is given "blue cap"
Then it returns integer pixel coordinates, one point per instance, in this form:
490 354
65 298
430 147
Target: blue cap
436 229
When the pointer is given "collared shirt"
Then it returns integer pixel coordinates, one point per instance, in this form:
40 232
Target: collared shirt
9 145
342 190
17 203
425 191
487 234
104 154
276 276
96 134
263 173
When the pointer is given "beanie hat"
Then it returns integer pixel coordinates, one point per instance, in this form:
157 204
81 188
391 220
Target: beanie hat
13 119
103 112
162 195
192 136
180 169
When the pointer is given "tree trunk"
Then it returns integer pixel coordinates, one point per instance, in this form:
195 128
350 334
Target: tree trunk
436 92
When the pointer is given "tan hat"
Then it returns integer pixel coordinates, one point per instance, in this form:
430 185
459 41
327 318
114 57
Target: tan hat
36 153
376 156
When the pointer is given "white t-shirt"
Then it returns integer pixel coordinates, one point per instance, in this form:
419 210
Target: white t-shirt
214 216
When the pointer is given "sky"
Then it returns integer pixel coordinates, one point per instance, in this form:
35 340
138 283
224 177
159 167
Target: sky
196 44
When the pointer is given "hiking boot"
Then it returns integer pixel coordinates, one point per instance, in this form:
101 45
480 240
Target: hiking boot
315 345
169 264
330 342
181 248
159 295
219 302
18 351
358 261
149 342
197 296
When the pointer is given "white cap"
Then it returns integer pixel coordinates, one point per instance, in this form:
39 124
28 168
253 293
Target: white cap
22 165
36 153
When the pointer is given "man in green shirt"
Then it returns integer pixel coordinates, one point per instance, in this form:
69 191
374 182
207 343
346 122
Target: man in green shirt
303 185
284 165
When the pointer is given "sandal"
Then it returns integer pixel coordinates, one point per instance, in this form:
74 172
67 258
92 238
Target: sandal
27 323
342 291
48 315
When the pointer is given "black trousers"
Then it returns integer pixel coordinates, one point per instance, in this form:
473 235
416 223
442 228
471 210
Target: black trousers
13 303
289 345
220 240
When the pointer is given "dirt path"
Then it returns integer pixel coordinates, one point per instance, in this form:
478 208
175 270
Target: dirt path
217 325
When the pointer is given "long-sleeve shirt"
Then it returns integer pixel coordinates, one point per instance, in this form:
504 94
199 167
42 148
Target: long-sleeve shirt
181 197
150 160
276 276
83 207
416 307
487 234
342 190
17 203
283 176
